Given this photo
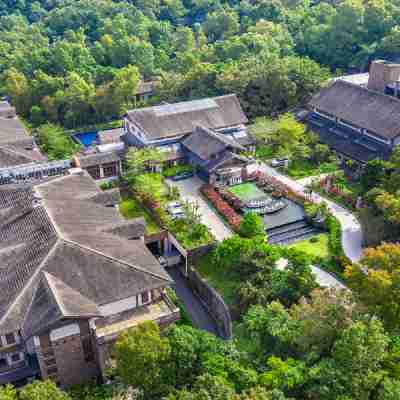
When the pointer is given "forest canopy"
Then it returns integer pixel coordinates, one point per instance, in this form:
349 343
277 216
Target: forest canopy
74 63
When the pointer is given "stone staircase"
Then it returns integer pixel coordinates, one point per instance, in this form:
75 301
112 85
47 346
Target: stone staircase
290 233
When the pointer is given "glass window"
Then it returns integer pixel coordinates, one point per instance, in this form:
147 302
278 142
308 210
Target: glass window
10 338
15 357
3 362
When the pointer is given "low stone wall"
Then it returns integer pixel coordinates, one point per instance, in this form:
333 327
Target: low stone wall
213 301
196 254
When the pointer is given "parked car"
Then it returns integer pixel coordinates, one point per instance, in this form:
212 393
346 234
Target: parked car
174 204
183 175
279 162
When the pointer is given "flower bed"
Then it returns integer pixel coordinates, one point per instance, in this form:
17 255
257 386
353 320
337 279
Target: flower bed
347 199
227 212
281 189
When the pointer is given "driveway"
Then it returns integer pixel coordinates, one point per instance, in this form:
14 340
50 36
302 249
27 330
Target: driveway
198 314
351 228
189 190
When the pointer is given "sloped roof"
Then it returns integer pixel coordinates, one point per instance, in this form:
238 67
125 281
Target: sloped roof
180 118
53 301
16 146
360 106
97 159
56 228
204 142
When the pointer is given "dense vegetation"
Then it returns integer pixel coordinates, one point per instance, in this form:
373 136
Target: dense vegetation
76 62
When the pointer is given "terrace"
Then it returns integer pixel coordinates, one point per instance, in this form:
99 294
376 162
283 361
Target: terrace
284 220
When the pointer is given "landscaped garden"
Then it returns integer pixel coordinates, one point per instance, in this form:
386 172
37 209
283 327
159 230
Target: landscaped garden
316 246
341 189
247 191
131 208
285 137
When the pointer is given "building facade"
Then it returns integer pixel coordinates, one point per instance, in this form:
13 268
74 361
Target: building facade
74 276
168 126
360 123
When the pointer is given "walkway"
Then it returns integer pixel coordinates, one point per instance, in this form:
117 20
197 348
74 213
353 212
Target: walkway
323 278
189 190
198 314
351 228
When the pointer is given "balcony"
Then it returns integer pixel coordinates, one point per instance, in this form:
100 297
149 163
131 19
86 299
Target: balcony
162 312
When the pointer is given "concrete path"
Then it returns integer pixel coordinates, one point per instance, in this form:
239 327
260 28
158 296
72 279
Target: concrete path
198 314
189 190
351 228
323 278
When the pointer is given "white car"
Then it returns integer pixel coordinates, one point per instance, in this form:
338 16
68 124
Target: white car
279 162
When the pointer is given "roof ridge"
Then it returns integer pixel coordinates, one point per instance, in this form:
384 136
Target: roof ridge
113 258
53 291
29 282
50 278
59 178
367 89
12 151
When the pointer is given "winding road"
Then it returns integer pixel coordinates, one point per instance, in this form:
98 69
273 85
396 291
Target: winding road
351 228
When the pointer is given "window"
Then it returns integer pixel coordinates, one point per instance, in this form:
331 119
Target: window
145 297
10 338
110 170
15 357
94 172
3 362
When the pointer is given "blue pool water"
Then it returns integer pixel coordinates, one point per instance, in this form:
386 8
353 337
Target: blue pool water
87 139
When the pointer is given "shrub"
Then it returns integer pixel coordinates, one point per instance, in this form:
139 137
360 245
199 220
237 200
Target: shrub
177 169
221 206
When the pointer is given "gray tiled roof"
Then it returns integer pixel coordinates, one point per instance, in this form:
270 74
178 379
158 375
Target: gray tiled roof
55 231
16 146
98 159
204 142
374 111
180 118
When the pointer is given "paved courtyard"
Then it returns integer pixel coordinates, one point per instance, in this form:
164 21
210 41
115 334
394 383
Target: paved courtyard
189 190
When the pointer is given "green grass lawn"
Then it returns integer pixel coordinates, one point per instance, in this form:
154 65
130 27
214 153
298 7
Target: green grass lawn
320 248
247 191
225 282
131 208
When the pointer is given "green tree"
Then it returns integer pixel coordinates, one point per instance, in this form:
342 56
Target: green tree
42 390
124 86
376 282
141 358
8 392
355 369
141 160
55 143
251 226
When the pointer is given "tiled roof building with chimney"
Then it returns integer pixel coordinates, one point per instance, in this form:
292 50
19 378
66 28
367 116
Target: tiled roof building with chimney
359 121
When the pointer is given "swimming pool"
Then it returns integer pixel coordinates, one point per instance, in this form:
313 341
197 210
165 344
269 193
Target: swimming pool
87 139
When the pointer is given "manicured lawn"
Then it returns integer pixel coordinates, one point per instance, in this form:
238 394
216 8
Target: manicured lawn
224 282
247 191
319 248
131 208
